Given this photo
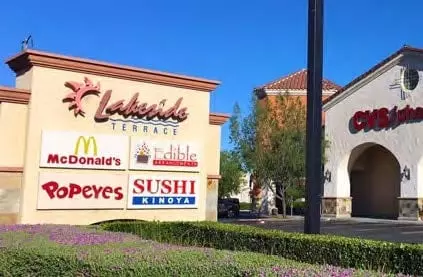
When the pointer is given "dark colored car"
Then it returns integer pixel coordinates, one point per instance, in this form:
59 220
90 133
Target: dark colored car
228 207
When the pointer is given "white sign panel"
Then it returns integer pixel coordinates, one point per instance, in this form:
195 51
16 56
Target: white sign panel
65 191
164 155
156 192
63 149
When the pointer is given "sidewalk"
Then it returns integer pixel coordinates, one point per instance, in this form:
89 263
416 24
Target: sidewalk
247 216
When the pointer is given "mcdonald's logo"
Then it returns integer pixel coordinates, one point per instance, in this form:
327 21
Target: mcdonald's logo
91 141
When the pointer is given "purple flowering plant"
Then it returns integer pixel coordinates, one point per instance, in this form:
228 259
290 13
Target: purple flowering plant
62 250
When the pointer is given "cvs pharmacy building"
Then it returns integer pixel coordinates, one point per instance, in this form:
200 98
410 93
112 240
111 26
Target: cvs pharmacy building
84 141
374 126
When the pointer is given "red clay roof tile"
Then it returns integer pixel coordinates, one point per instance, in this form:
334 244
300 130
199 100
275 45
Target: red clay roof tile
297 81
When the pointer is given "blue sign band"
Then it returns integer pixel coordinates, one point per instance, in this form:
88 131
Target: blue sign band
163 200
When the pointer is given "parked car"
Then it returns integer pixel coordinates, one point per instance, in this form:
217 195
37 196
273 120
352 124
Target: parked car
228 207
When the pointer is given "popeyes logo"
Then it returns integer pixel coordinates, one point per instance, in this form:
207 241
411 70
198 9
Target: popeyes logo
64 191
133 108
72 190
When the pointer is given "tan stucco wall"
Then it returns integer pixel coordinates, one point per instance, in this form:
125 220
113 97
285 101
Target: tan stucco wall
46 111
13 119
24 81
213 151
10 189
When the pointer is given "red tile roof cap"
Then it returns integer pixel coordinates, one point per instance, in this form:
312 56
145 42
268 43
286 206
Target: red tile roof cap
297 81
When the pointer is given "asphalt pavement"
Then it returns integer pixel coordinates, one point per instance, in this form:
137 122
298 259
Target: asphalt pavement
385 230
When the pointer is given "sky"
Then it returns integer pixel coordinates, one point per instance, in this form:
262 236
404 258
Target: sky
243 44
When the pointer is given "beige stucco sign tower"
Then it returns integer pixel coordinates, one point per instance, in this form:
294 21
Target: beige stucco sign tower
85 141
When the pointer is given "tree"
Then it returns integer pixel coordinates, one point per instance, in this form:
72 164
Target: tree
285 150
243 133
231 172
271 142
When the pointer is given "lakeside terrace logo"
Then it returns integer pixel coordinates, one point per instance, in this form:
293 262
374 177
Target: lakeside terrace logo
132 111
74 150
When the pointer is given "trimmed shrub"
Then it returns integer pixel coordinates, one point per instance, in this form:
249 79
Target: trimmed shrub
244 206
321 249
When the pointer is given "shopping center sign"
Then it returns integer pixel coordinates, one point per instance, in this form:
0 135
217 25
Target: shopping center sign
64 149
384 118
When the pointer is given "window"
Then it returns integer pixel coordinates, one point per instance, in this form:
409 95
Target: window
409 79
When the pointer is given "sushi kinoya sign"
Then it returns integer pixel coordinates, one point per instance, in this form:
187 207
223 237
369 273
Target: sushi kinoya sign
162 192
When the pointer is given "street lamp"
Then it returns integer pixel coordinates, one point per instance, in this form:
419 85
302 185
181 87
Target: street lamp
314 117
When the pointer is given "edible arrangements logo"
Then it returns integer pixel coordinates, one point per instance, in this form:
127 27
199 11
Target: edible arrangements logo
165 155
142 153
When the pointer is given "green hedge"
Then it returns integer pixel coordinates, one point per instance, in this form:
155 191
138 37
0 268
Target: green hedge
321 249
299 205
244 206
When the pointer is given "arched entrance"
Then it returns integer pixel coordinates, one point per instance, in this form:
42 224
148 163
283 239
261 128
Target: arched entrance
375 182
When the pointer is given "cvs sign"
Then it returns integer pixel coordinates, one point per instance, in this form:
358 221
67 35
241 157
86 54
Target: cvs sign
77 150
77 191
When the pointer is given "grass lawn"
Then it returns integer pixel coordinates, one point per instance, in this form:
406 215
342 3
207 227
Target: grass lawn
57 250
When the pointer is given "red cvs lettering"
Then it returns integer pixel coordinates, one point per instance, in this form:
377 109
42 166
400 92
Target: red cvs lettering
54 190
384 118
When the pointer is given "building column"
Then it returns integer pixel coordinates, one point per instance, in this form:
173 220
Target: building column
410 208
10 189
211 197
338 207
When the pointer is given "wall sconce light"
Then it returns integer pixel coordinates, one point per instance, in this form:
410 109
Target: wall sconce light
405 173
328 175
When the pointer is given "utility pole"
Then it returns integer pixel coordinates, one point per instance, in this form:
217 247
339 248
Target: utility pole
314 117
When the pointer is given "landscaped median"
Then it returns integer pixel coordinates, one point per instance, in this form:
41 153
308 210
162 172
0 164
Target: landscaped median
313 249
48 250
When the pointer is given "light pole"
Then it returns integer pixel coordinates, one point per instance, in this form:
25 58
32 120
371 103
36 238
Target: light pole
314 117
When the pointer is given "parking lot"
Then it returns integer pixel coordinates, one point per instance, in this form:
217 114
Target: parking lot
388 231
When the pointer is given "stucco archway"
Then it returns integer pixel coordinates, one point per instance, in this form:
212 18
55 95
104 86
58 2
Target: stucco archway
375 181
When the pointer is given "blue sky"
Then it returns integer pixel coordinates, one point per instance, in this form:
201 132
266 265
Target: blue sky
241 43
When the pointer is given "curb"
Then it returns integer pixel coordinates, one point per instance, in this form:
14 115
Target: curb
325 219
